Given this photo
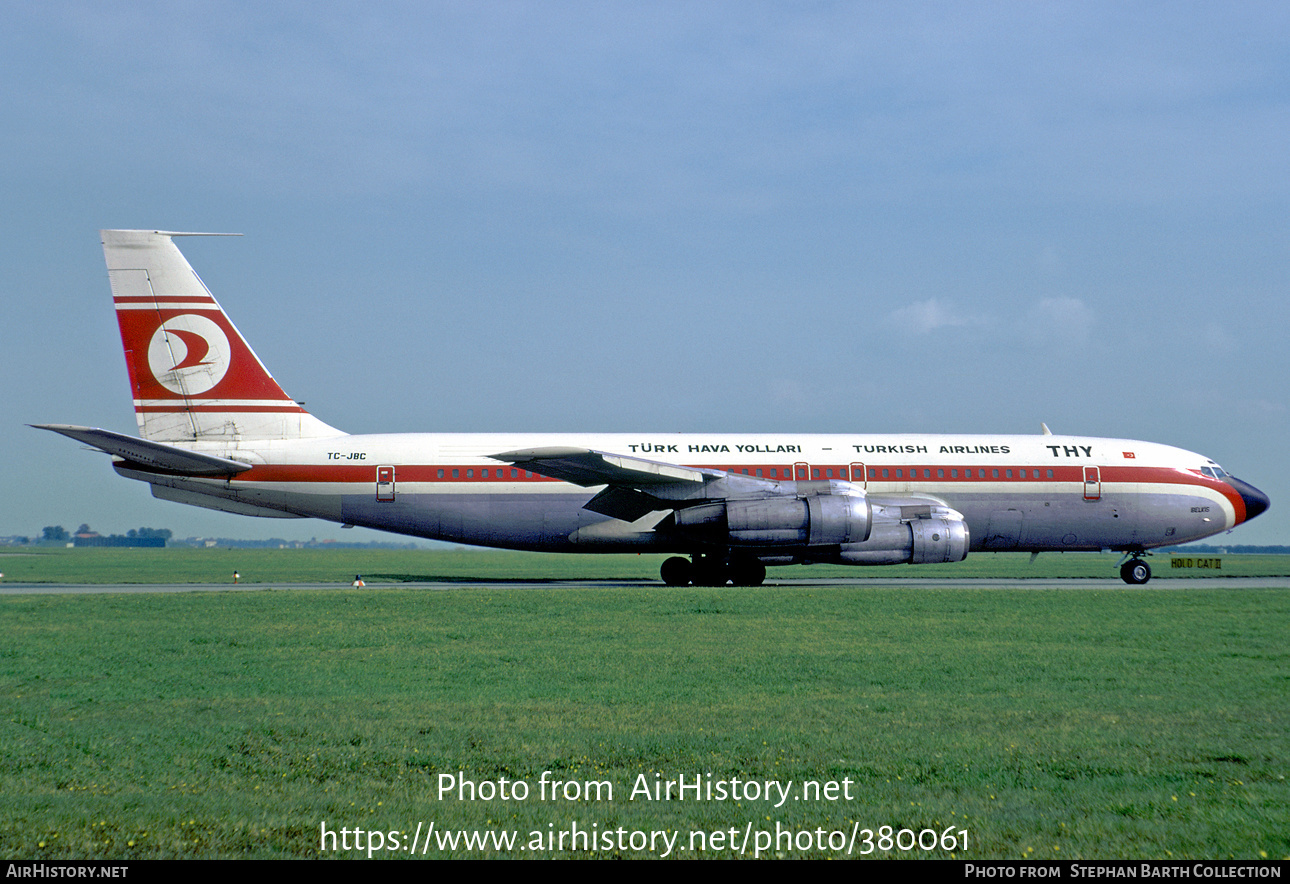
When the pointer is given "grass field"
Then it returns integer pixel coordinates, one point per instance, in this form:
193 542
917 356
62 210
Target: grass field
1081 722
213 566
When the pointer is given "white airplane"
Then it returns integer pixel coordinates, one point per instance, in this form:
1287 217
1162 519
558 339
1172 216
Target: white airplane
217 431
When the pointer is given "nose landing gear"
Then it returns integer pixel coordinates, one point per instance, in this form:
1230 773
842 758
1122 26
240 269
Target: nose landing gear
1135 571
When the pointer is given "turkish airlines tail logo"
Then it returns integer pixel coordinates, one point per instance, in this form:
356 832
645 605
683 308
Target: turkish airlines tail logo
189 354
188 349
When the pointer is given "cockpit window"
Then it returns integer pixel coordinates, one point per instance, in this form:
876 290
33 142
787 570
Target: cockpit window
1214 472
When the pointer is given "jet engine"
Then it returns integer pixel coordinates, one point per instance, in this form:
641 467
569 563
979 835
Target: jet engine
845 528
822 520
939 537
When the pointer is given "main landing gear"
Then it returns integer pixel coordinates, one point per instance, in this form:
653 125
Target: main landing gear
1135 571
708 570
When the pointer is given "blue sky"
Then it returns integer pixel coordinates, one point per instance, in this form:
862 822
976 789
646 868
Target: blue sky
851 217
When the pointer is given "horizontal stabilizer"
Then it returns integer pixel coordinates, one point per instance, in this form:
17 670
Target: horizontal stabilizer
148 453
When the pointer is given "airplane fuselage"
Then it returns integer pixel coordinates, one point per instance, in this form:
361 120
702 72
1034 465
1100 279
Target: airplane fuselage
1032 493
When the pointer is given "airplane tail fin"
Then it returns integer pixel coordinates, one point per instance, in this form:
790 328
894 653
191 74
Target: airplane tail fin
192 373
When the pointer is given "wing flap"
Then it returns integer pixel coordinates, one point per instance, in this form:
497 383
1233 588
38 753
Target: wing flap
627 504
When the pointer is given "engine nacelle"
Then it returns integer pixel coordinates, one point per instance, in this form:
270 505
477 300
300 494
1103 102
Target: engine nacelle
942 538
822 520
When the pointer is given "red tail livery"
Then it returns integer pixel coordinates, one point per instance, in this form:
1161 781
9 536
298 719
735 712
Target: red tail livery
192 374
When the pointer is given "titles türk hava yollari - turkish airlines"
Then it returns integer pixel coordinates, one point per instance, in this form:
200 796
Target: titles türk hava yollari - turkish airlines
216 430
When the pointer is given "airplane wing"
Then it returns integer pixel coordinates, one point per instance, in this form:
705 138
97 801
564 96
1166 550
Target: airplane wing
634 486
588 468
158 455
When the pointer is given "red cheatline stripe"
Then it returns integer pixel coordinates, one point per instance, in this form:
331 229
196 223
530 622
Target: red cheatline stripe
430 473
1179 477
180 405
150 299
367 473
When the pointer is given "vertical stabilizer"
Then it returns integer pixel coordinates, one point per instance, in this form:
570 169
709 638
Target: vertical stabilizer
192 374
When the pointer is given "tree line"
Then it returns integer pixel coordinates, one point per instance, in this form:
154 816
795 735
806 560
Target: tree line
59 534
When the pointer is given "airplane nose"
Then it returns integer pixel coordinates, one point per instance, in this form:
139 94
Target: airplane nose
1255 500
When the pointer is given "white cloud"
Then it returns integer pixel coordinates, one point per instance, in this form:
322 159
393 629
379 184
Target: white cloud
1057 320
922 317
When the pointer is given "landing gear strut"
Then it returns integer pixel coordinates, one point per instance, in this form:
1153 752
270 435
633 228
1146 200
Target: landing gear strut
1135 571
709 570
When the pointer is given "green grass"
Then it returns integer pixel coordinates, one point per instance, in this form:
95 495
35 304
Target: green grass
1069 723
99 566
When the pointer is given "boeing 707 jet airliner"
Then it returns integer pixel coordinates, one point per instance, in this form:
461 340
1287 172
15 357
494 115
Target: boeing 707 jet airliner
216 430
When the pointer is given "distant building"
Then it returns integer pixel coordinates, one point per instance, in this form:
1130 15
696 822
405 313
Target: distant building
93 538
